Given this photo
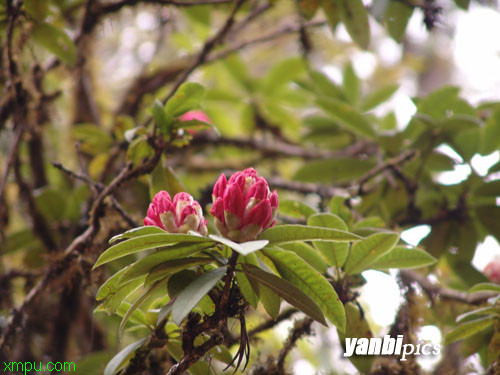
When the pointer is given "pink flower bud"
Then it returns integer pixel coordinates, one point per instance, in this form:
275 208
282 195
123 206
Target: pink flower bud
243 206
219 187
180 216
195 115
492 270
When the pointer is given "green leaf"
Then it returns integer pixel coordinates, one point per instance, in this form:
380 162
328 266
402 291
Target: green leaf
195 126
139 150
357 327
122 357
162 121
244 248
286 290
137 232
56 41
110 285
350 84
115 297
332 13
194 292
283 73
290 233
296 209
396 17
491 188
246 289
164 178
490 133
488 216
38 9
325 86
147 242
464 4
151 261
94 139
334 170
346 115
378 97
137 303
403 257
270 300
293 269
485 287
470 315
186 98
334 253
338 207
468 329
174 265
355 18
309 254
368 250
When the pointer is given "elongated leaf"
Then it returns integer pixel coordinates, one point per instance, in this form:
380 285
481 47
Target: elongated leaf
291 233
351 84
286 290
488 216
174 265
469 315
147 242
468 329
122 357
378 97
331 9
194 292
270 300
357 327
137 232
186 98
149 262
485 287
368 250
355 18
348 117
334 253
137 303
56 41
403 257
38 9
244 248
162 120
296 209
292 268
165 311
109 285
490 133
115 298
164 178
334 170
309 254
247 290
396 17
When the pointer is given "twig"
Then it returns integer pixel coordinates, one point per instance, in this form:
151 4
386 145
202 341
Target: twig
301 328
60 267
388 164
209 45
433 290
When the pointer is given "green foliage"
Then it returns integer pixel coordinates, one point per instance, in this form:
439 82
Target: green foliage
317 134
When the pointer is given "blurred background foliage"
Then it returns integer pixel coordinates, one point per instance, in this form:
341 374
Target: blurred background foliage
366 102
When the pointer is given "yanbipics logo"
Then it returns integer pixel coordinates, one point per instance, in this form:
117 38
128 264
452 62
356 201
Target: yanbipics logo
387 346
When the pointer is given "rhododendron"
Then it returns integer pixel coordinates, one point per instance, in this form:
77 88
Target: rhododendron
243 206
492 270
178 216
